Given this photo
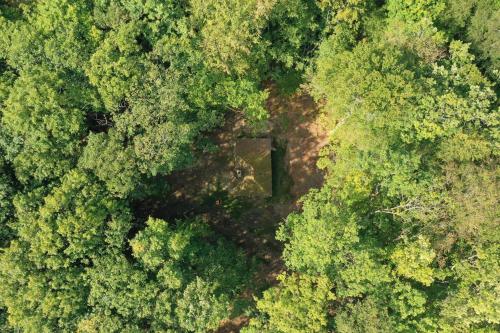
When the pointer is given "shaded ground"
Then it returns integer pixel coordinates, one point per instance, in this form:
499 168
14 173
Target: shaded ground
205 188
295 121
298 138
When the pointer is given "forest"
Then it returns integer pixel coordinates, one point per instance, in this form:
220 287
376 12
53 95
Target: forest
118 122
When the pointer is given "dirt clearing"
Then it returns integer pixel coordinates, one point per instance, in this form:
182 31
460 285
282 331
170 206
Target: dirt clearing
295 121
205 188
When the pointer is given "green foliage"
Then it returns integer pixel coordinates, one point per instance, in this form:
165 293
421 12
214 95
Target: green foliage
97 99
475 301
111 163
75 222
161 74
117 64
413 261
100 323
229 34
198 309
364 317
7 190
163 84
45 287
57 33
345 11
100 100
293 30
172 284
66 272
412 11
400 229
335 248
408 302
43 124
38 299
476 22
118 287
299 304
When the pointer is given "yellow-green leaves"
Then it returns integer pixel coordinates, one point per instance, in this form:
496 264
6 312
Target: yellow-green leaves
230 32
199 309
414 260
299 304
157 244
414 10
477 297
53 32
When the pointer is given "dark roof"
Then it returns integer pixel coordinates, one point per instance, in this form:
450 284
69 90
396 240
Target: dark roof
256 153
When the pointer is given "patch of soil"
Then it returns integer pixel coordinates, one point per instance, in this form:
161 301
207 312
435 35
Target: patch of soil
295 121
233 325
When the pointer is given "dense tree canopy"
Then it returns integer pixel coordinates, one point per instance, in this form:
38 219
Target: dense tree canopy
400 228
101 100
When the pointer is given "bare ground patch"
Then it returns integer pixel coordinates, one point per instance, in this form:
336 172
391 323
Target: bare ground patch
295 121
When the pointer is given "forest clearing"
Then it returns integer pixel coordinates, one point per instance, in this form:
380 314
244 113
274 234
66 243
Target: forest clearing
245 218
299 137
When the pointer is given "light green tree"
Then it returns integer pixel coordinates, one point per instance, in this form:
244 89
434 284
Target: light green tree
299 304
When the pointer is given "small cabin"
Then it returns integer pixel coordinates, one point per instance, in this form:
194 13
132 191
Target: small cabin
253 168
